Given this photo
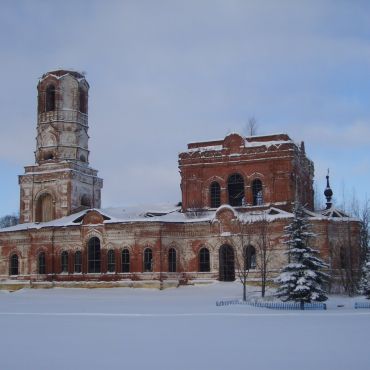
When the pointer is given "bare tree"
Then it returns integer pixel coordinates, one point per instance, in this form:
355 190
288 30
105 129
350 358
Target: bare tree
352 253
345 256
8 220
242 266
363 214
252 126
264 250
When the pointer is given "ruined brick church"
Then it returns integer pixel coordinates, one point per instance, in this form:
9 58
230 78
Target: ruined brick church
233 190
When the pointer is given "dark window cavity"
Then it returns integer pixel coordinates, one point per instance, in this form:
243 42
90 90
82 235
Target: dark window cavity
148 260
50 98
93 255
111 261
204 261
250 257
41 263
14 265
83 100
226 259
125 261
215 195
235 186
64 261
85 201
172 260
257 192
78 262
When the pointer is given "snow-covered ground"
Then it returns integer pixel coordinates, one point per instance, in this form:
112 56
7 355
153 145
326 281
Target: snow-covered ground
179 328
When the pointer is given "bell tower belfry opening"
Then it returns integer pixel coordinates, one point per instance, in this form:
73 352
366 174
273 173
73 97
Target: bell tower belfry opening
61 182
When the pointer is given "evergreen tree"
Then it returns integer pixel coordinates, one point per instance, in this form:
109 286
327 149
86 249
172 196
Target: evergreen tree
302 279
365 279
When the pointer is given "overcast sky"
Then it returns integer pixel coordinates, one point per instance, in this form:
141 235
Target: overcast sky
165 73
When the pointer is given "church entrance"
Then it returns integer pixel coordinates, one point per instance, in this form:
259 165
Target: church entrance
227 267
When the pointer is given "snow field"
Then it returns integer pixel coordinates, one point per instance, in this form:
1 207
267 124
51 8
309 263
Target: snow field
175 329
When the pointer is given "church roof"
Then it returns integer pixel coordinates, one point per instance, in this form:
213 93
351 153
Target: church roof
169 213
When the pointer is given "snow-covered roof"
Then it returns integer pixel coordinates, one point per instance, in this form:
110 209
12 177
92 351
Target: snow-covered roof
334 212
169 213
249 142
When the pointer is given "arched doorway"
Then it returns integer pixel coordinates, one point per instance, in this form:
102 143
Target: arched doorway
227 263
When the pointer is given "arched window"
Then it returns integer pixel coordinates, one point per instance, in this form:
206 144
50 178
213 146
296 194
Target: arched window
148 260
204 261
78 262
44 208
48 155
125 260
249 257
172 260
82 100
111 261
14 265
41 263
215 195
257 192
64 261
40 105
50 98
93 255
85 201
235 187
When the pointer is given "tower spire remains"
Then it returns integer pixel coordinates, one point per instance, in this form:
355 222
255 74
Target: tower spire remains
61 182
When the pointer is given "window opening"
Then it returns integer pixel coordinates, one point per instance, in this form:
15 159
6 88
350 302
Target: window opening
111 261
215 195
14 265
125 261
172 260
250 257
148 260
227 268
257 192
83 100
41 263
236 190
204 260
64 261
94 258
85 201
50 98
78 262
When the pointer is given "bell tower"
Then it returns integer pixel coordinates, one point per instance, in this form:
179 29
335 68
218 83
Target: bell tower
61 182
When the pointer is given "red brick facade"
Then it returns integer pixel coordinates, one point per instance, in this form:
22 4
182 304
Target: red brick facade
62 240
275 160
